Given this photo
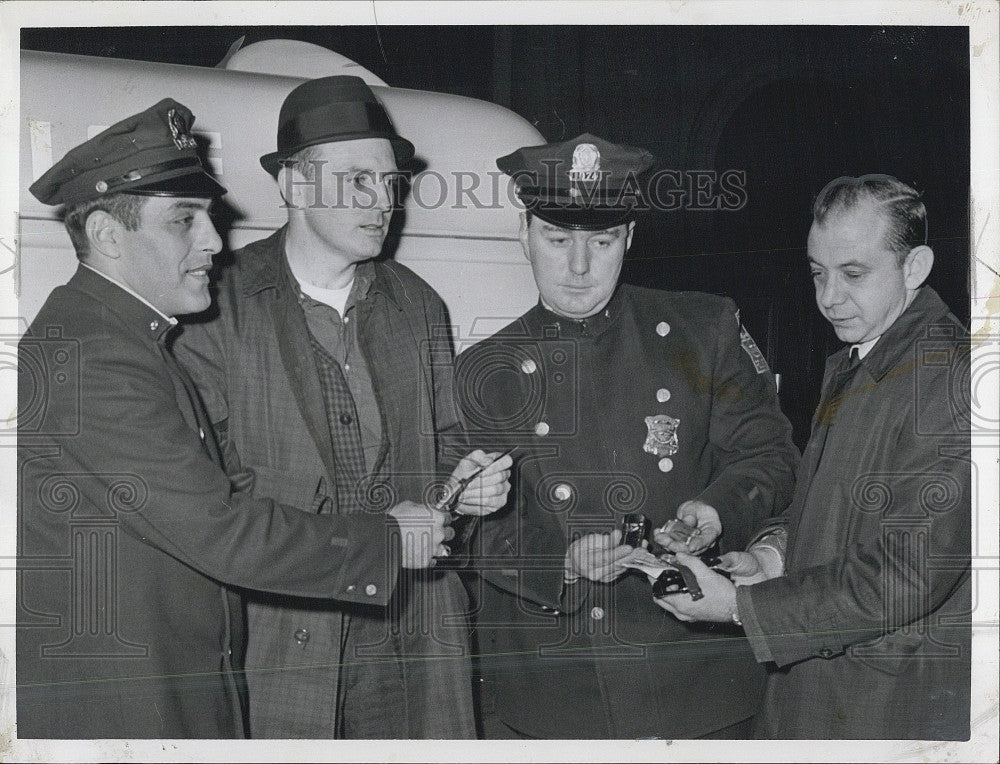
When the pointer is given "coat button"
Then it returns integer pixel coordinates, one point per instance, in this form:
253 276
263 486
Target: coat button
201 433
302 636
597 613
663 395
542 429
666 464
154 325
528 366
346 419
562 492
826 652
663 328
351 588
371 590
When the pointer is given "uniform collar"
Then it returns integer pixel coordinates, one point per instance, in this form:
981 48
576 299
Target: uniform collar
266 267
592 326
169 319
136 312
893 349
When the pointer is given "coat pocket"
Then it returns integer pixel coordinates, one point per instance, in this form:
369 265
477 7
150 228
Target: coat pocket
296 489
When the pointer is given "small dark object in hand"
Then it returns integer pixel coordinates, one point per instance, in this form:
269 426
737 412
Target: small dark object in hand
635 528
682 579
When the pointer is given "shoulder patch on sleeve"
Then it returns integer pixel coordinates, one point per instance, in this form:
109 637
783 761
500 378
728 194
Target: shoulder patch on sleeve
759 363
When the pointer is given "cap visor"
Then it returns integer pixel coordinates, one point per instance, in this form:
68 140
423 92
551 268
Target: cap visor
582 219
196 184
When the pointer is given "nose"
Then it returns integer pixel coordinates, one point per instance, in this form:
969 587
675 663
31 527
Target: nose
579 258
208 239
384 194
830 292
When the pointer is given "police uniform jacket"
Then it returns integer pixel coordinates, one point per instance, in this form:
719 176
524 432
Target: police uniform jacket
254 366
603 660
129 535
869 628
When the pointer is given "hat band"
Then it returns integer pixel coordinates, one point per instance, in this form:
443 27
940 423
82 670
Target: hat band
334 122
134 176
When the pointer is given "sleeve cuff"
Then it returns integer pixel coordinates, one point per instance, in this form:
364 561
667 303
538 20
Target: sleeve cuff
371 558
751 625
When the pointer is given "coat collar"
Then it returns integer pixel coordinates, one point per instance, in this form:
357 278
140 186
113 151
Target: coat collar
893 350
592 326
133 312
265 267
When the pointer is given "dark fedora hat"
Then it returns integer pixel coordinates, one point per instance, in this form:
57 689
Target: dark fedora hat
329 110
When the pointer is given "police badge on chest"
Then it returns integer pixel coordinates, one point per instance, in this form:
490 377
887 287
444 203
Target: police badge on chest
661 438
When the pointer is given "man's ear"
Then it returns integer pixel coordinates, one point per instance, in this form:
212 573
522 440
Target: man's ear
103 234
522 235
287 185
628 240
917 266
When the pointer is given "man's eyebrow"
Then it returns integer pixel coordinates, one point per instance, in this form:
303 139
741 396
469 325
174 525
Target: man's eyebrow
188 204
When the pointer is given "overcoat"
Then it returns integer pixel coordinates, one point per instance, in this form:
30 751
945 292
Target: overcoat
869 628
128 534
659 399
255 369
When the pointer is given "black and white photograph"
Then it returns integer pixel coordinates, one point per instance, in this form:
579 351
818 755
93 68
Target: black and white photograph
519 381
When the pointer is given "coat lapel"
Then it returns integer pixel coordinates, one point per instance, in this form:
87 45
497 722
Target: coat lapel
267 278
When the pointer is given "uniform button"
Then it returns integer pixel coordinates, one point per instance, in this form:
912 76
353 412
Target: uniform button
663 395
371 590
666 464
302 636
663 328
562 492
346 419
597 613
347 367
826 652
528 366
542 429
351 588
201 433
154 325
347 319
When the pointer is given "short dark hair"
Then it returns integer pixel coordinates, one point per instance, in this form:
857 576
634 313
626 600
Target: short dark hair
900 205
125 208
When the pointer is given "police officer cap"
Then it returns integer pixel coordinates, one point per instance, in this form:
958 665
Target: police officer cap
151 154
586 183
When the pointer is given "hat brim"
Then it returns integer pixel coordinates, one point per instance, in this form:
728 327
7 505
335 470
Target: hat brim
401 147
581 219
198 185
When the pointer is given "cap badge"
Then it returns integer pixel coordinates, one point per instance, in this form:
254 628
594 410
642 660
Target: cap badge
661 438
586 165
179 130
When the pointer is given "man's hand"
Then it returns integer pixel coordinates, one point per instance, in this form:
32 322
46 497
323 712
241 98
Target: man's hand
698 515
718 604
596 557
748 568
424 532
487 492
